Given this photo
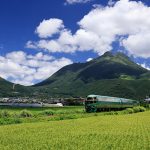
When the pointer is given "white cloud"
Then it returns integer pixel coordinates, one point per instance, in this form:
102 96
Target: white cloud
31 45
26 69
124 19
89 59
125 22
138 44
76 1
144 65
48 28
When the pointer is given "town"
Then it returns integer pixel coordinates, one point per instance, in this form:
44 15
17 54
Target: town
38 102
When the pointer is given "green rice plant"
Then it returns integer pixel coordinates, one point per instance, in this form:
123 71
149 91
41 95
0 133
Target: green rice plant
107 132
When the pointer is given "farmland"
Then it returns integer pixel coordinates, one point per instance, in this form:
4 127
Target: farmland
118 132
14 115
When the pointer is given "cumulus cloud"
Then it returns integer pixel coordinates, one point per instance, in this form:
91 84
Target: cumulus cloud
125 22
48 28
25 69
76 1
138 44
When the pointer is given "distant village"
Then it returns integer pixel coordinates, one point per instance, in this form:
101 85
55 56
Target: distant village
35 102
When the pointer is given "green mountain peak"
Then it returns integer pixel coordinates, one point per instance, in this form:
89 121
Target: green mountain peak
110 74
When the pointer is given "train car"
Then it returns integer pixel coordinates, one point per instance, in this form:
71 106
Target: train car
95 103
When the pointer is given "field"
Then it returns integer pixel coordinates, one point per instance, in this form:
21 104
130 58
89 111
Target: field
109 132
12 115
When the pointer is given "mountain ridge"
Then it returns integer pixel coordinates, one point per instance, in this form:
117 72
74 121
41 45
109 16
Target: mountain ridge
97 76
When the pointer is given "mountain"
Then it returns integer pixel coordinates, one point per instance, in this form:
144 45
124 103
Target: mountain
8 89
109 74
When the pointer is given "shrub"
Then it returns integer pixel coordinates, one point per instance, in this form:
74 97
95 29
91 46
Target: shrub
47 112
6 121
136 109
5 114
16 121
142 109
129 111
139 109
25 113
111 113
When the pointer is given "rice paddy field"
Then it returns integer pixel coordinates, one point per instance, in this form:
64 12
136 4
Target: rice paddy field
107 132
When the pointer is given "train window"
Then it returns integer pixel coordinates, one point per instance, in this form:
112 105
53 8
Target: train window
91 100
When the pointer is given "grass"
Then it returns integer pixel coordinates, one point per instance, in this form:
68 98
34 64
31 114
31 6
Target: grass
37 110
111 132
9 115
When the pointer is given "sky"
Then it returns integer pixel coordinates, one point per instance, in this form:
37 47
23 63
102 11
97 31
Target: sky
38 37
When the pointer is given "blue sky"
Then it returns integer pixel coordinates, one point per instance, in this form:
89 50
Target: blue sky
27 54
20 18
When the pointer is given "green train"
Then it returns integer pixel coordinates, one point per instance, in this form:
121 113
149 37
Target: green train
95 103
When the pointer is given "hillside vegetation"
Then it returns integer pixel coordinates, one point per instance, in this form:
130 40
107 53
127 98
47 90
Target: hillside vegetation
110 74
8 89
101 132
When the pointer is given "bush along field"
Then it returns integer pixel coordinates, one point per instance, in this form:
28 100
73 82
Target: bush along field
106 132
28 115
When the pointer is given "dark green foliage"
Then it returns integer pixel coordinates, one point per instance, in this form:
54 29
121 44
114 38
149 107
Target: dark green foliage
8 89
47 112
111 75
